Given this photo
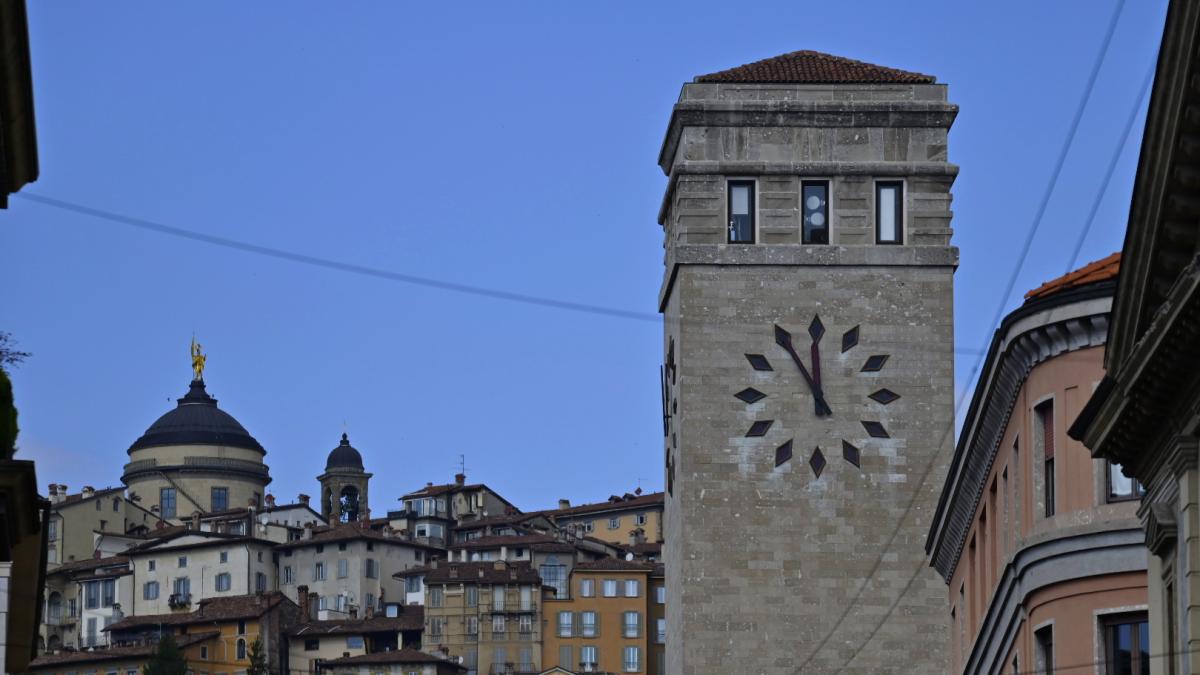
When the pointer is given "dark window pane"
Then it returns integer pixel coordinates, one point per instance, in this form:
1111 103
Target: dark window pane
849 339
875 363
750 395
783 453
815 211
759 428
758 362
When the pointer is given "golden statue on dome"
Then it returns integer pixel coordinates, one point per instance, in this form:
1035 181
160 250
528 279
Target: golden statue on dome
198 359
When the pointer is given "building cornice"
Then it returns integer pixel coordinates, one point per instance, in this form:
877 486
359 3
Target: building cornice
1034 333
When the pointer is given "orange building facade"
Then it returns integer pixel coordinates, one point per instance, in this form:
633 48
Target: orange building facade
611 620
1039 543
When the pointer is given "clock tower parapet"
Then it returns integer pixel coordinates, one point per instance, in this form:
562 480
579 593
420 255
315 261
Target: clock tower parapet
842 140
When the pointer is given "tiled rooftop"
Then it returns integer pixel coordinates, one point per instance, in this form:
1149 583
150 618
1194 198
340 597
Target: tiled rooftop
809 67
1093 272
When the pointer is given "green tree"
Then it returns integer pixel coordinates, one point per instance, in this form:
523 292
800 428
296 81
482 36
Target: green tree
167 660
9 356
258 659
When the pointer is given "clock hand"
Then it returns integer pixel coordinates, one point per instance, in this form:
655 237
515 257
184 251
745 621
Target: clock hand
784 339
815 354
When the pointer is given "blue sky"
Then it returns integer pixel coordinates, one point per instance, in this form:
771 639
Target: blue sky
502 145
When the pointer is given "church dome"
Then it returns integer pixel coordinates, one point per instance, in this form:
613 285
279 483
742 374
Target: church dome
344 456
196 420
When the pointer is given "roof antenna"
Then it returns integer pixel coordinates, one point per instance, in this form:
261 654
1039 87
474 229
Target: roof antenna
462 464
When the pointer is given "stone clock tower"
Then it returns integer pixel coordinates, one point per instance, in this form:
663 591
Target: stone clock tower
808 370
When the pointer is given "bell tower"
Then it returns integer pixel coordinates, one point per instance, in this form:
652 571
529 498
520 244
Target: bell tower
344 485
807 303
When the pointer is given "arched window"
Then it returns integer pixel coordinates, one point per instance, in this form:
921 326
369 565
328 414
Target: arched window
241 649
349 504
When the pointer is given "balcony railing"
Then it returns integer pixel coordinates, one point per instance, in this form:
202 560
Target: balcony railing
179 600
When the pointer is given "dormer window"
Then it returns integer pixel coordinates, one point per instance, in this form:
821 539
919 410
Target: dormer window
814 196
889 212
741 211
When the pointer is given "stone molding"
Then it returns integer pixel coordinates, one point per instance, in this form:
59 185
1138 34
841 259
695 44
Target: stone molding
791 255
1059 324
1161 526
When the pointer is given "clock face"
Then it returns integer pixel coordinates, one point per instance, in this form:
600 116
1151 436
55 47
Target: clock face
851 426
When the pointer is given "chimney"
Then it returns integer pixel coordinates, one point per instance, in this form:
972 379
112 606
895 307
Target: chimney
54 489
303 498
270 501
195 521
369 611
429 484
564 503
460 478
304 604
88 491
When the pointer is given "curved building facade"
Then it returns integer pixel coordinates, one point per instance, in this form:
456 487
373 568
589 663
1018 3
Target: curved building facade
196 457
1038 543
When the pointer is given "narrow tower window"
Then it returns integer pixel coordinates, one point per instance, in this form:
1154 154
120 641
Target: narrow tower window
815 210
889 212
741 212
220 498
1044 413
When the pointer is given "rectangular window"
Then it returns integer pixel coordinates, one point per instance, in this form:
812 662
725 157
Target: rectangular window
260 582
660 631
435 596
150 590
166 502
525 624
610 588
526 598
632 661
220 498
498 625
587 658
108 592
1127 644
472 625
566 624
564 656
319 571
632 588
1120 487
814 211
640 519
223 557
556 577
52 529
91 595
288 576
497 598
182 562
660 595
413 585
343 568
372 568
1044 641
632 625
435 626
1044 414
889 212
587 588
587 624
182 586
472 594
741 212
312 645
499 658
614 522
223 581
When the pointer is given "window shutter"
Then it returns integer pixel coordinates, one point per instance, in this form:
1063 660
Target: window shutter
1046 411
597 624
564 658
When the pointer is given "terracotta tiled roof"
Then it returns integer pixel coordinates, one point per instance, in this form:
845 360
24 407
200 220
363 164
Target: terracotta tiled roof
506 540
615 565
67 658
1093 272
412 617
78 497
89 564
614 503
508 519
396 656
232 608
351 532
483 573
434 490
809 67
